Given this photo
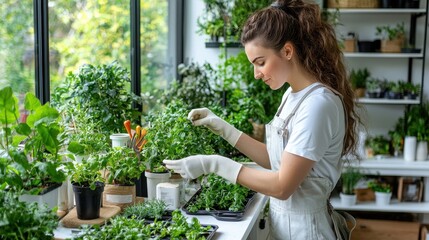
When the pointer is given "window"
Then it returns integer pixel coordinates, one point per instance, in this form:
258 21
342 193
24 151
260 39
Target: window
17 46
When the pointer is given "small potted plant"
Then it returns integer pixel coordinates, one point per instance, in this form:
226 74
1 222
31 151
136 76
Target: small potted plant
377 146
382 190
358 79
392 37
88 185
122 168
349 178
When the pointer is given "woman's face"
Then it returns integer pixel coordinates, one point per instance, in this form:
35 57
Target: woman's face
272 68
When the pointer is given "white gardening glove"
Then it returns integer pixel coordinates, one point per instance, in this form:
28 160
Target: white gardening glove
197 165
205 117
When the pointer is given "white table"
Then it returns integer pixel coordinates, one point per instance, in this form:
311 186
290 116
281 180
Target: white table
226 231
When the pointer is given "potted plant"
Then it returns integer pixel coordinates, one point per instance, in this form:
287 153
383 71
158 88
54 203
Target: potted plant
392 37
358 80
416 119
349 178
39 163
377 146
181 140
88 185
383 191
122 167
97 96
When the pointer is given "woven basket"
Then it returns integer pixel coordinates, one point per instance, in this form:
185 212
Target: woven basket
353 3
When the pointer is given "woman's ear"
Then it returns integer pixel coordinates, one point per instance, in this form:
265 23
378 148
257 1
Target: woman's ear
287 50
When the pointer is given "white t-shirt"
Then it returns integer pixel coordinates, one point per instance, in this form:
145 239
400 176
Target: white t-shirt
317 129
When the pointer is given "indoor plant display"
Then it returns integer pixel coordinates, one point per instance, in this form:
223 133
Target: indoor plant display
122 167
349 179
88 185
393 38
358 79
383 191
39 165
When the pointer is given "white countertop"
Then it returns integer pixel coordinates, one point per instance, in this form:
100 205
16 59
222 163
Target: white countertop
226 231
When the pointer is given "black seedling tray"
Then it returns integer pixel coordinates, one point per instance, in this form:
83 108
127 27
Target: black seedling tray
220 214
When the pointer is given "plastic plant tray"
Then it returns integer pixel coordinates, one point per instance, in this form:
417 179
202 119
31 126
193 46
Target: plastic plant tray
220 214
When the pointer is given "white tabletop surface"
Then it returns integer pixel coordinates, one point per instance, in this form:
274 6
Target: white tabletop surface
226 231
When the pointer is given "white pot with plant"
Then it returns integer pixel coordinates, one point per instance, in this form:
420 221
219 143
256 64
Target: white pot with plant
383 192
349 178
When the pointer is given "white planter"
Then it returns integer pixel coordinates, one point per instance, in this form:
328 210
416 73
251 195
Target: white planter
120 139
348 200
152 180
422 151
49 198
410 144
382 198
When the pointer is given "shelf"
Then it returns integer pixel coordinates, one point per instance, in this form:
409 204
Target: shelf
220 44
378 10
394 206
395 167
383 55
388 101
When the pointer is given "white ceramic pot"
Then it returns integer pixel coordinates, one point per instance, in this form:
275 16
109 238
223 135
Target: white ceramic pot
382 198
50 197
348 200
120 139
410 145
152 180
422 151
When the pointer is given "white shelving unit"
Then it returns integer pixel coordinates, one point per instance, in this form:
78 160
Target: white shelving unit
393 167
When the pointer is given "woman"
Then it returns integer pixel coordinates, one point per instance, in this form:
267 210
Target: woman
314 127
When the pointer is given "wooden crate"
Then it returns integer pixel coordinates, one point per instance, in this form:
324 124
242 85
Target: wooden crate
367 229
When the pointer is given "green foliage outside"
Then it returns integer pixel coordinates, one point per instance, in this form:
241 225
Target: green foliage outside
82 32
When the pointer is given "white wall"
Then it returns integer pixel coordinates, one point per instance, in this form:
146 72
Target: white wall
379 119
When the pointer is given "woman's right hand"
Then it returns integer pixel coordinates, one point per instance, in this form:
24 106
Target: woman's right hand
205 117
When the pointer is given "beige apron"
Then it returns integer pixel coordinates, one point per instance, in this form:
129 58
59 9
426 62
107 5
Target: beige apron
305 214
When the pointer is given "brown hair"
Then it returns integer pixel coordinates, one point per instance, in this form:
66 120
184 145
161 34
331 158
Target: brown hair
316 48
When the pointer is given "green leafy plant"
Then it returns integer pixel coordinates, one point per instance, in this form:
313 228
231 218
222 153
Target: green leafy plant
358 78
171 136
218 194
97 96
21 220
122 227
86 173
416 120
379 186
42 139
350 177
391 33
86 142
378 144
122 164
150 209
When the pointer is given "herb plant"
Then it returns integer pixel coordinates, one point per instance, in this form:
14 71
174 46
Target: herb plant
218 194
122 164
171 136
85 174
350 177
21 220
121 227
150 209
379 186
97 96
391 33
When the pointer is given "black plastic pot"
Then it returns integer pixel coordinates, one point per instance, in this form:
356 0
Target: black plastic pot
88 202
